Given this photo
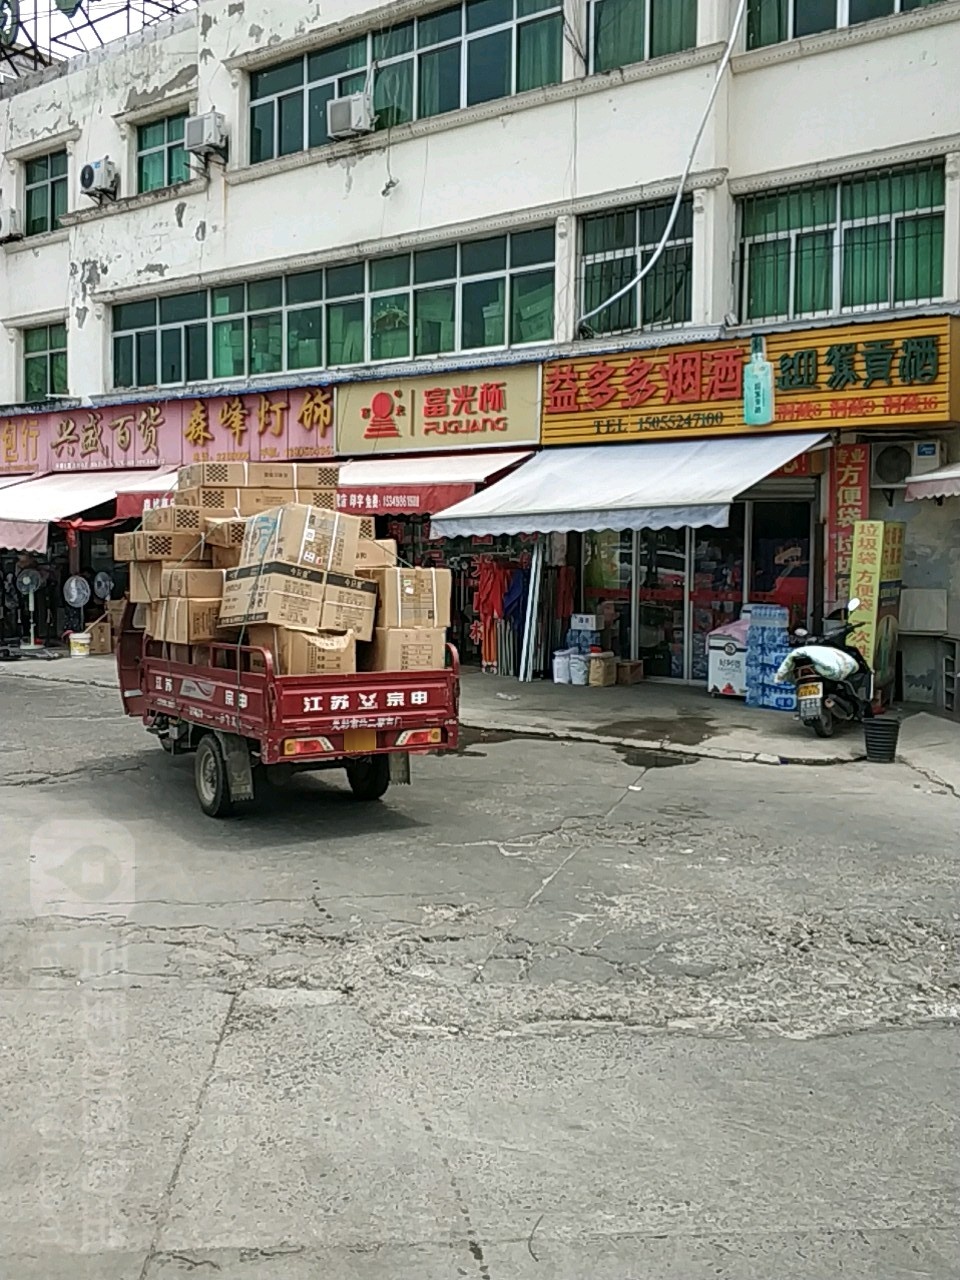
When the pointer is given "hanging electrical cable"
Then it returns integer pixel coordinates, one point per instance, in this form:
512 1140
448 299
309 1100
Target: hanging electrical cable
678 199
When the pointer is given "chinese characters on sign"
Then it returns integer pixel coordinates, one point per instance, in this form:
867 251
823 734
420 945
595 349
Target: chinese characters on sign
849 502
297 423
876 575
481 408
881 375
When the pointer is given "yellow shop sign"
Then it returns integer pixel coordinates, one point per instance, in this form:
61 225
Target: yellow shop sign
886 375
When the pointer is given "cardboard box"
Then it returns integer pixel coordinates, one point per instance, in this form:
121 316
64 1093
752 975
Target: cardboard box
224 557
302 535
368 527
101 636
376 554
197 584
189 621
273 475
583 622
173 520
629 672
316 475
145 579
298 653
316 496
170 546
225 531
348 605
219 500
286 595
124 546
412 597
235 475
406 649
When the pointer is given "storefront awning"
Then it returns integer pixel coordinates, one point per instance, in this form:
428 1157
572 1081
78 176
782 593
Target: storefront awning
145 490
419 485
944 483
27 509
666 484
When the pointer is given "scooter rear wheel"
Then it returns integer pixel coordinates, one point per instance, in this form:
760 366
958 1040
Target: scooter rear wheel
825 725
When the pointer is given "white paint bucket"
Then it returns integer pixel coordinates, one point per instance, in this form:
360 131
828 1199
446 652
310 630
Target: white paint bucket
80 644
561 666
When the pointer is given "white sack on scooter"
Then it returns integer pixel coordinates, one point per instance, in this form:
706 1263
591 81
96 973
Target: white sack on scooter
832 664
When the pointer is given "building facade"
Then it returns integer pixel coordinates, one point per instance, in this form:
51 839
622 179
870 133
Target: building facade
516 172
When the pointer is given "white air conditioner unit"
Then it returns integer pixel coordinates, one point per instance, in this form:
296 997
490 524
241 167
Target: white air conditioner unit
893 462
205 135
350 117
10 228
99 178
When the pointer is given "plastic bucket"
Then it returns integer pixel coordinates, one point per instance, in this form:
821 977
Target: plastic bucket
561 666
880 735
579 668
80 644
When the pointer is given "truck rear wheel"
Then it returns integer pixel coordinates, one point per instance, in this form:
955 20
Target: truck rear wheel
370 778
210 779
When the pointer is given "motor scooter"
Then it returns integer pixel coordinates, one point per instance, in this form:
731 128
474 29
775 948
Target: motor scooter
824 701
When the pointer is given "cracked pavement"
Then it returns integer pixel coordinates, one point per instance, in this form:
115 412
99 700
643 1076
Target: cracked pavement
548 1012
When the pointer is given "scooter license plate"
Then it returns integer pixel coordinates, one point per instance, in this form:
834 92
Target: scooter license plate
810 691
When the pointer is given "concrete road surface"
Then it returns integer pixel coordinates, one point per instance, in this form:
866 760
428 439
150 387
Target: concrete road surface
553 1011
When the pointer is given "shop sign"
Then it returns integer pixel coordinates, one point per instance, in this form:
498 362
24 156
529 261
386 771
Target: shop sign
479 409
849 501
876 578
866 375
266 426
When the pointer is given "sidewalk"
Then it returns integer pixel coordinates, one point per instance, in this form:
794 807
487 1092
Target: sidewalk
647 716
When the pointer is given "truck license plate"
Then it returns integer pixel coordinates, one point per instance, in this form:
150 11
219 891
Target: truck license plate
360 741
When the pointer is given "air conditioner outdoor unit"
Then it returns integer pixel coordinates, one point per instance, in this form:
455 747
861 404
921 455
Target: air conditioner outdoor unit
10 228
892 462
205 135
99 178
350 117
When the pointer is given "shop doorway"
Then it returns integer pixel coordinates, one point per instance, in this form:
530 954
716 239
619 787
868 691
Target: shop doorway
660 593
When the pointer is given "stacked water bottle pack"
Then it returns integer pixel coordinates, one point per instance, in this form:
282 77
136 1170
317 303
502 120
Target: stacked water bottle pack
768 643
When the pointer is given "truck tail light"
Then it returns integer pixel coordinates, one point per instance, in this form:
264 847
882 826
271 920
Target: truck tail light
306 746
420 737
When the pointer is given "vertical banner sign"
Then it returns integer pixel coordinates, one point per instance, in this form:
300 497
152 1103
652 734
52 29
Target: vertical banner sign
849 502
876 578
758 387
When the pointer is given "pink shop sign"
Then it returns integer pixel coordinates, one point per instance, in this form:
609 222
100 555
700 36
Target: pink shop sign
295 423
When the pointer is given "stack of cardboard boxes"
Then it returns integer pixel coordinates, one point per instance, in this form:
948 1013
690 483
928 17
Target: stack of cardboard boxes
257 554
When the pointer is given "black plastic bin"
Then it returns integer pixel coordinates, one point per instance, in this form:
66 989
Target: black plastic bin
880 734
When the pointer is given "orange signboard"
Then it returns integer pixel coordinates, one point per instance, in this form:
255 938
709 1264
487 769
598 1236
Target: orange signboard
885 375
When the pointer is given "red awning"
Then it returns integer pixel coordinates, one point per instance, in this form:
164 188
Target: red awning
418 485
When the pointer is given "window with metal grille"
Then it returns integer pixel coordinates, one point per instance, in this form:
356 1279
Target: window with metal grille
773 21
161 159
497 291
625 31
871 241
44 362
471 52
45 191
615 246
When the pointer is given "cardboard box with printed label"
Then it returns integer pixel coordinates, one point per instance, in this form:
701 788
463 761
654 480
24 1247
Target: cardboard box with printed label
101 637
124 546
376 553
405 649
412 597
302 535
189 621
300 653
197 584
173 520
225 531
234 475
273 475
291 596
170 546
219 501
145 581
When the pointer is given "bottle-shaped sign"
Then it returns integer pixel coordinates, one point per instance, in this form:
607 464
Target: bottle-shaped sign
758 388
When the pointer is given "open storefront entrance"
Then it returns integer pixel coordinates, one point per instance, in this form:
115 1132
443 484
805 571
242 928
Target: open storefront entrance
660 592
676 536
